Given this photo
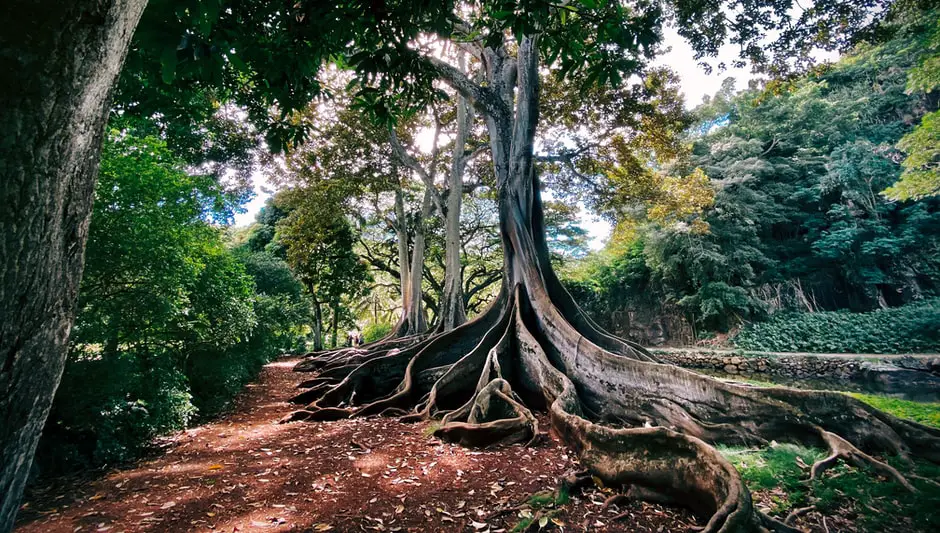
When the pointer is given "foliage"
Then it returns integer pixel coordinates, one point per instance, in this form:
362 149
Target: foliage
794 220
375 331
921 175
319 243
911 328
926 413
170 322
777 474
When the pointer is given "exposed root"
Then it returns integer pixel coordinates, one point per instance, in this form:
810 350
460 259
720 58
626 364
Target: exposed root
796 513
634 423
311 383
308 396
327 414
496 417
843 449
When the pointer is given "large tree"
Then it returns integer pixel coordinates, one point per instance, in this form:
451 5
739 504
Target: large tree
59 64
633 421
534 338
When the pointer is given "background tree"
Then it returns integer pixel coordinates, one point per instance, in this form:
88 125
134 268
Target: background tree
319 241
921 175
171 323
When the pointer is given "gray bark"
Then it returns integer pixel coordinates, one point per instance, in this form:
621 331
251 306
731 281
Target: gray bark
417 322
452 310
62 59
404 265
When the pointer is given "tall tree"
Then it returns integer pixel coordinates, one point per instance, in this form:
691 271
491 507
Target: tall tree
535 343
318 242
66 59
605 40
448 201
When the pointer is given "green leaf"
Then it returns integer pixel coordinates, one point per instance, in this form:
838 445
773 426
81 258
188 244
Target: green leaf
168 65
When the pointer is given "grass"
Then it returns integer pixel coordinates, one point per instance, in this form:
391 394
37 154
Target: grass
778 476
429 430
927 414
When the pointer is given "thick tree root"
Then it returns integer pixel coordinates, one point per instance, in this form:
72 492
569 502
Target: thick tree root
842 449
634 423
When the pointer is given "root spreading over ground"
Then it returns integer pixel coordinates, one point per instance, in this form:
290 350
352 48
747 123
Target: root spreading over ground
634 423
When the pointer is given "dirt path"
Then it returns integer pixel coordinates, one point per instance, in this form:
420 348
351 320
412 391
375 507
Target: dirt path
245 472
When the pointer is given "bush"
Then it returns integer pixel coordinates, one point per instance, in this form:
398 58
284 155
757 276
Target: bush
375 331
109 410
910 328
171 323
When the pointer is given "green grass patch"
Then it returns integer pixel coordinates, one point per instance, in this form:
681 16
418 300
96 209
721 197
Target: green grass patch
778 476
543 507
927 414
778 467
430 429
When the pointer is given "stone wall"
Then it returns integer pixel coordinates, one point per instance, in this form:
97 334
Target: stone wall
877 374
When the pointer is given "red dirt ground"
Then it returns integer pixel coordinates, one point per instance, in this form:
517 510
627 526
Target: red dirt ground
246 472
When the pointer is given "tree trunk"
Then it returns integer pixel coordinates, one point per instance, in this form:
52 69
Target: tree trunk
417 322
452 310
317 324
404 264
335 323
61 60
647 427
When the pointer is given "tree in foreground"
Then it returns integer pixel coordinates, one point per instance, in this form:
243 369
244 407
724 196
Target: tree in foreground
533 343
633 421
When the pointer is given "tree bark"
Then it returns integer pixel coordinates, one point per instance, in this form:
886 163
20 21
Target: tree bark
335 323
417 322
401 231
452 310
317 324
60 61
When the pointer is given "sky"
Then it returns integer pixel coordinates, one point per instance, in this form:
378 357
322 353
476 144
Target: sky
695 85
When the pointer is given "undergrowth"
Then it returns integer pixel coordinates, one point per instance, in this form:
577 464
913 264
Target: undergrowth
541 508
926 413
779 478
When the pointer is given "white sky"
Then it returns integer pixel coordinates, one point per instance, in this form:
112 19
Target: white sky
695 85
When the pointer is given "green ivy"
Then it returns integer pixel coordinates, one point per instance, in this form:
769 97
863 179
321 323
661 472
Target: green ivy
911 328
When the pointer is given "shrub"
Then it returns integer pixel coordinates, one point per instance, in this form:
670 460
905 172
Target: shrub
911 328
376 331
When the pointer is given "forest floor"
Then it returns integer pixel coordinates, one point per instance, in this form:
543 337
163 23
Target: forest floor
245 472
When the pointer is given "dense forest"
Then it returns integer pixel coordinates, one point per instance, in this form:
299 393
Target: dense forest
798 220
431 172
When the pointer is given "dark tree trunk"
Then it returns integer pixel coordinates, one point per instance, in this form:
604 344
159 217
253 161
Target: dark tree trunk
335 323
60 61
647 427
317 325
